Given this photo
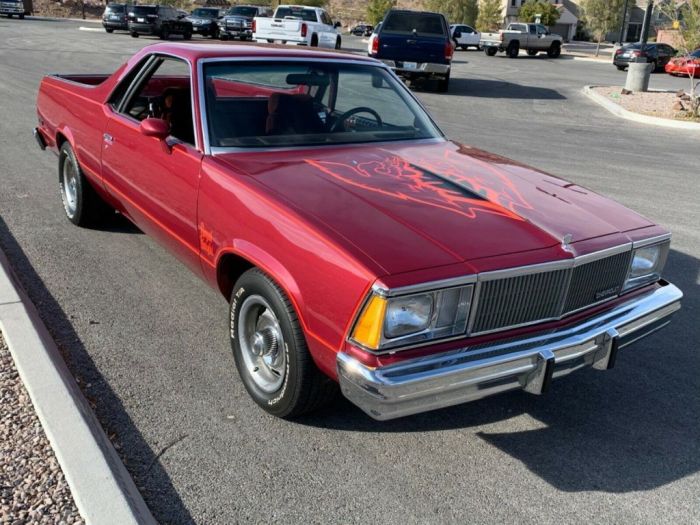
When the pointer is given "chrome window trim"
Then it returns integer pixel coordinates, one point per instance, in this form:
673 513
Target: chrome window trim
478 279
209 150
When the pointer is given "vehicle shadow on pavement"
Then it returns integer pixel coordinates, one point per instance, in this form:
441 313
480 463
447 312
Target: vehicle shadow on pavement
484 88
151 479
632 428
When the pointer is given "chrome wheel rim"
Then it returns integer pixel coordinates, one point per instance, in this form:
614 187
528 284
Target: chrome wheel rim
262 344
70 186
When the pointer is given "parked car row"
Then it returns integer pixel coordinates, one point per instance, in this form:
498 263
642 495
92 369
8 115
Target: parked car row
10 8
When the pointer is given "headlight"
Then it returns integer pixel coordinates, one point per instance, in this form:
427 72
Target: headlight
388 322
647 264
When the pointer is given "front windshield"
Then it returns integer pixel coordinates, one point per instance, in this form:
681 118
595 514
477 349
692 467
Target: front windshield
115 8
282 104
249 12
205 13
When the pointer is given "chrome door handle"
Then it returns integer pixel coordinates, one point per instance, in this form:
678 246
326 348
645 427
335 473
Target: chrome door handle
108 138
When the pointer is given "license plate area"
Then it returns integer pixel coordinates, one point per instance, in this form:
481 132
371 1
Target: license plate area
410 65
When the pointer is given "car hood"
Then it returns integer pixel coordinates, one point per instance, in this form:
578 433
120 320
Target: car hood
415 206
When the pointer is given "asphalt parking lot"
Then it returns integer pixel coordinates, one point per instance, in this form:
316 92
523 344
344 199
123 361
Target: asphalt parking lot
147 340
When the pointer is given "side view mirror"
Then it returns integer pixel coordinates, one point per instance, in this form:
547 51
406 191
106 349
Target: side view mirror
337 25
155 127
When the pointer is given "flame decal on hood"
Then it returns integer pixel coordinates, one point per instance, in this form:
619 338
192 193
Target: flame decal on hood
439 184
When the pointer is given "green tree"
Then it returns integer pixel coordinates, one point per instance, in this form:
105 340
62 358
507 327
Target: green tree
456 11
376 9
532 8
490 15
601 17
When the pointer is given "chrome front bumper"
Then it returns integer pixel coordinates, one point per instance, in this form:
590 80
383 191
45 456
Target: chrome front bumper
528 363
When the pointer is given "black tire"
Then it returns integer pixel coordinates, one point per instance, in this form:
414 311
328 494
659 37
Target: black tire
654 66
215 34
304 388
621 68
10 16
134 34
187 35
223 37
478 48
490 51
314 40
532 52
513 49
554 50
164 33
87 208
109 30
21 17
444 84
338 42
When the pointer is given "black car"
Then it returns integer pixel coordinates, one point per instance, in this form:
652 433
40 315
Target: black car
114 17
238 21
159 20
205 21
362 30
657 54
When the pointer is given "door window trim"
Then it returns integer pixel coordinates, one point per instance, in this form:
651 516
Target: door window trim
150 63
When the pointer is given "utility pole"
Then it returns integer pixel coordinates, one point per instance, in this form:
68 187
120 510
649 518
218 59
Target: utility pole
624 22
646 24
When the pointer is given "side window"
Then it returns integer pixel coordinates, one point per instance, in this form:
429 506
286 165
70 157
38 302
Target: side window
533 30
541 30
326 19
467 29
122 88
164 93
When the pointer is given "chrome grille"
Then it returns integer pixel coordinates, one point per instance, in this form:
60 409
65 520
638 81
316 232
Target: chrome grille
597 281
526 298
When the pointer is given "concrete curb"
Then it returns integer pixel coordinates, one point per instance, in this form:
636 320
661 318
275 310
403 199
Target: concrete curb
101 486
603 60
619 111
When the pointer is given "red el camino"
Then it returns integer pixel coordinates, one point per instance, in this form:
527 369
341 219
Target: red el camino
688 65
354 242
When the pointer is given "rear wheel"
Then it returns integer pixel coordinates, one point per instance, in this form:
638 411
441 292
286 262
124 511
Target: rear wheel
109 30
490 51
187 35
134 34
554 50
513 49
654 66
444 84
620 68
21 17
270 350
314 41
82 205
164 33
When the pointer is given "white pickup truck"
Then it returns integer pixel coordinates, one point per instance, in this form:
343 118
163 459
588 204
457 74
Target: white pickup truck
298 25
533 38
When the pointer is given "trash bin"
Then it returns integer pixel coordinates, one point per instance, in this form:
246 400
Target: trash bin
638 74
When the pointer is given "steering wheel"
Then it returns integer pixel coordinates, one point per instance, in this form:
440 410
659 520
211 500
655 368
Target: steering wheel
354 111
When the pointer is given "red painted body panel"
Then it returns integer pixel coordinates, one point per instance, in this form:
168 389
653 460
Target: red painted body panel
327 223
688 66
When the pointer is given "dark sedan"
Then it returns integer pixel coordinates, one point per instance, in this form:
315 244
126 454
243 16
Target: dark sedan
362 30
656 54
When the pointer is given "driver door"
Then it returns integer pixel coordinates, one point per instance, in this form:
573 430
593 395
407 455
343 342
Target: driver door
155 180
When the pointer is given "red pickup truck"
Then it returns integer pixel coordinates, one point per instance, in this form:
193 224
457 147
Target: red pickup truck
353 241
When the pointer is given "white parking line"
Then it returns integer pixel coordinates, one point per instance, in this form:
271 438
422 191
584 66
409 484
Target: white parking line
95 29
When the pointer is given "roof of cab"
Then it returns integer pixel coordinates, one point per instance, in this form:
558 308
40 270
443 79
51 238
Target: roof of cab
196 51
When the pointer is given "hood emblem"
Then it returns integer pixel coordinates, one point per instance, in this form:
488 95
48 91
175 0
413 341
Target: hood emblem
566 243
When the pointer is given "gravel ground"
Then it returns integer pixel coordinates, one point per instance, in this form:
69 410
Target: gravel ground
32 487
653 103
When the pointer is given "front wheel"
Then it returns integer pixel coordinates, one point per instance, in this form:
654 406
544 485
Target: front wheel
134 34
554 50
490 51
270 351
620 68
314 41
187 35
109 30
21 17
82 205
